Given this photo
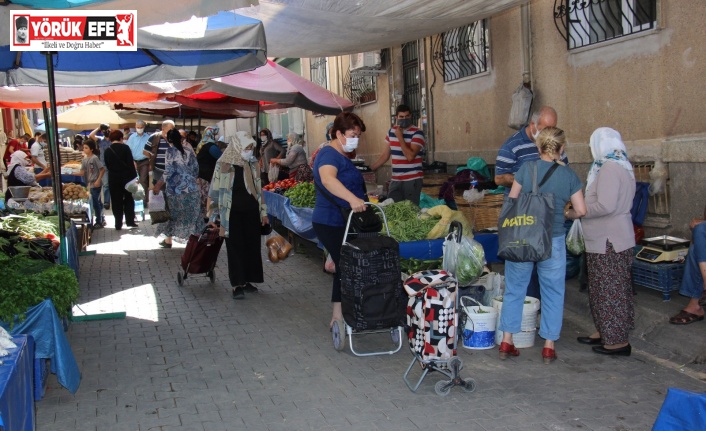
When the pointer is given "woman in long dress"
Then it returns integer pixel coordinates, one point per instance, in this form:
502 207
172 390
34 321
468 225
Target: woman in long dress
236 198
182 194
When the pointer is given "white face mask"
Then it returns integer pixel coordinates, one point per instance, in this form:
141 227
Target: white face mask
139 130
246 155
350 145
535 134
263 139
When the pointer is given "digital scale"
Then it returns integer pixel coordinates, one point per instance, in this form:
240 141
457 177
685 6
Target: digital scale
663 248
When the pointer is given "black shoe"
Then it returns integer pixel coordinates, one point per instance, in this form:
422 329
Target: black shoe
165 244
106 206
97 226
118 228
621 351
589 340
238 292
132 225
250 288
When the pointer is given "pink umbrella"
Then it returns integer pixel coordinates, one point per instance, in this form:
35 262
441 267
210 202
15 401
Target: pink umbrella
275 84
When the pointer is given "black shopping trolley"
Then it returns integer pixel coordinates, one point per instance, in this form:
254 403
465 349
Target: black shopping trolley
372 298
201 254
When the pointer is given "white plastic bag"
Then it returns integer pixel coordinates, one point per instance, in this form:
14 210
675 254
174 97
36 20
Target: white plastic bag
473 195
574 239
450 255
658 178
157 202
469 262
139 194
521 104
273 173
131 186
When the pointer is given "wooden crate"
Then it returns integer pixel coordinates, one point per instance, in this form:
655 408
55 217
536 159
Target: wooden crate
483 214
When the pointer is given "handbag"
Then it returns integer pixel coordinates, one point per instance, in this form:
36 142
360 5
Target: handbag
525 223
362 222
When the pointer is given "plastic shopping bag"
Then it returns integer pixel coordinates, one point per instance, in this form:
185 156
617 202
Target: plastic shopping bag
273 173
131 186
278 248
450 247
139 194
157 202
469 262
574 239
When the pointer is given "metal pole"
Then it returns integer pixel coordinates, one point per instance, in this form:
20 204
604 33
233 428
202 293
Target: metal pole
55 160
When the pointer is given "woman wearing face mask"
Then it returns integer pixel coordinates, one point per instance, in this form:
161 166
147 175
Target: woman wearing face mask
236 198
296 155
179 181
18 175
336 175
207 157
269 149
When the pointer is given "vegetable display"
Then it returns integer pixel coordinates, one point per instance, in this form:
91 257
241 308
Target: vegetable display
302 195
412 265
30 225
405 222
281 186
73 191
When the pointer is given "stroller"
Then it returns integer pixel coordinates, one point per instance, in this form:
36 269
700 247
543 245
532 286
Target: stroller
200 255
372 298
432 328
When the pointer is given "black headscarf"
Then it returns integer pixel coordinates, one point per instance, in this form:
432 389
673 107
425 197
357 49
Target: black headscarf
174 138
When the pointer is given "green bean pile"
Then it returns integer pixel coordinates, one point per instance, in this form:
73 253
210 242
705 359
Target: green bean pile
405 223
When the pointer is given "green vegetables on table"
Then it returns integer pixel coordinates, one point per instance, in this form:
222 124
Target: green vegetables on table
30 225
406 223
302 195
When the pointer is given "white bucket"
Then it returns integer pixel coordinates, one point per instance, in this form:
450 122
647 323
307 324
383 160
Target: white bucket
528 328
479 330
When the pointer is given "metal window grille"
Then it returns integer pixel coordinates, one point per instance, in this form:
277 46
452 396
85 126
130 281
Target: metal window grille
462 51
587 22
410 72
318 71
657 204
360 88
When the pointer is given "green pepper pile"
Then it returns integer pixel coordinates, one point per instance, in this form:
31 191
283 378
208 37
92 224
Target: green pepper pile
412 265
302 195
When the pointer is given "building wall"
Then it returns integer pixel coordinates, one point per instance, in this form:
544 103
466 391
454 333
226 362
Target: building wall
647 86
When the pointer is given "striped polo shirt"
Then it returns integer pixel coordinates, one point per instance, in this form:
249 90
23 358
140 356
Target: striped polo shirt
402 169
518 149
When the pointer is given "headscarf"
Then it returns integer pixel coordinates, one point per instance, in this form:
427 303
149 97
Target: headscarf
328 127
231 156
209 135
296 140
19 157
607 145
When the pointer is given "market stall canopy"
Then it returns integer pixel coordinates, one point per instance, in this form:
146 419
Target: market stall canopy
175 110
149 12
315 28
274 83
198 48
31 97
91 115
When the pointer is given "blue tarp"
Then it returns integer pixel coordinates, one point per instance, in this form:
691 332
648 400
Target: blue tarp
43 324
682 410
297 220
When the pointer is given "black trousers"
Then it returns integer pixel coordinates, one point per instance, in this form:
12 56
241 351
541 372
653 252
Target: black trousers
123 203
332 238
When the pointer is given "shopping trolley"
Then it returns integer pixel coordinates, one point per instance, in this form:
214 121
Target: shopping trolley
372 298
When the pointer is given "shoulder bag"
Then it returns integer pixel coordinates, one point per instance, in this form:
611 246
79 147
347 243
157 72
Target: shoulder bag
525 224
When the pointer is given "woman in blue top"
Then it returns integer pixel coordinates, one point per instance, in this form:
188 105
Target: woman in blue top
180 171
336 175
565 186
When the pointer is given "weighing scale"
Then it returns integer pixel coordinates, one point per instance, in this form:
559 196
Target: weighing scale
663 249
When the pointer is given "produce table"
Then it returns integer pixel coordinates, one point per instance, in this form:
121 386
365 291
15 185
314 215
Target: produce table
73 179
297 220
16 386
433 248
43 324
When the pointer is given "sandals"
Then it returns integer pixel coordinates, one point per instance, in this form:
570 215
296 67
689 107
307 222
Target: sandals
702 301
685 318
165 244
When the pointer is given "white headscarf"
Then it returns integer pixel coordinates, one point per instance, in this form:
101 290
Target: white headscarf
607 145
19 157
231 156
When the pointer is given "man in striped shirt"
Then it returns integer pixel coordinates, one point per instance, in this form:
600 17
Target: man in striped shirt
521 147
405 142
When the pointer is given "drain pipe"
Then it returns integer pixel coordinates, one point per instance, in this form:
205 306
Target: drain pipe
430 114
526 46
421 52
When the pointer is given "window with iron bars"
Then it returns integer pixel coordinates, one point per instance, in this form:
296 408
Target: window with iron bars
587 22
361 88
317 68
657 204
463 51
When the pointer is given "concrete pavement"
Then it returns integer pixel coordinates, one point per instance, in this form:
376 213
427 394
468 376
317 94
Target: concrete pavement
192 358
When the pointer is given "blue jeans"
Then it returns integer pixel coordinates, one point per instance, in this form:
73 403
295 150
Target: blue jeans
551 281
96 205
692 285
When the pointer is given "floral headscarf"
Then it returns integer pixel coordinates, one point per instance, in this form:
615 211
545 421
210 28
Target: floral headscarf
231 156
607 145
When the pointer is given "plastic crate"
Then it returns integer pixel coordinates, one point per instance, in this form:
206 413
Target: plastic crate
665 277
41 372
